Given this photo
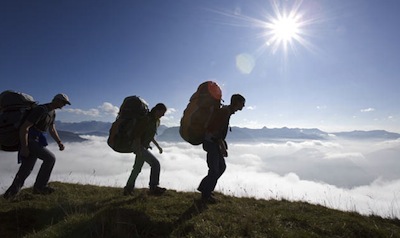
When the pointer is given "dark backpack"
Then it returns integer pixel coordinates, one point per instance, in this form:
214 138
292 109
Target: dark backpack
121 135
14 108
199 111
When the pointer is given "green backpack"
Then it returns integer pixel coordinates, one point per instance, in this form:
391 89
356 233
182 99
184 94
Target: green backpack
14 108
132 111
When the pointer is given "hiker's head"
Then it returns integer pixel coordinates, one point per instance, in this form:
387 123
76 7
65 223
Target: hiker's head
237 102
60 100
158 110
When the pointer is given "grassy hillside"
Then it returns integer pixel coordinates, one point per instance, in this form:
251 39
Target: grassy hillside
92 211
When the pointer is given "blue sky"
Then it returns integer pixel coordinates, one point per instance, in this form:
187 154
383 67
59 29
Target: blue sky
339 71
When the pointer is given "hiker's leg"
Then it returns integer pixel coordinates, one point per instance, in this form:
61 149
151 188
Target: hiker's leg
24 171
47 166
221 169
221 166
155 167
209 182
137 167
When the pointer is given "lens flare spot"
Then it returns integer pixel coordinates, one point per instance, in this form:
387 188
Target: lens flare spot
245 63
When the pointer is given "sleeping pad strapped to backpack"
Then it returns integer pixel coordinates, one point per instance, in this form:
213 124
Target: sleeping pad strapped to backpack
14 108
199 111
132 110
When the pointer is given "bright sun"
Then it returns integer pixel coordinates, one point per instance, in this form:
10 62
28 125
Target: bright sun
285 28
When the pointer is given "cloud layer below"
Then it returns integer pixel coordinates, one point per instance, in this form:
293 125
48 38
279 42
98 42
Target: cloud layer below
345 175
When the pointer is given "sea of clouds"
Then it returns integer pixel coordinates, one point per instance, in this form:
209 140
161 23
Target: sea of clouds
361 176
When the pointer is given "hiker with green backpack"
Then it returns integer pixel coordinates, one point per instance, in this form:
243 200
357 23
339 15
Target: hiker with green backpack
133 131
142 139
32 145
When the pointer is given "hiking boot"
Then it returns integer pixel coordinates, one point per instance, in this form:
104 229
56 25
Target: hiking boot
157 191
128 192
44 191
10 193
208 199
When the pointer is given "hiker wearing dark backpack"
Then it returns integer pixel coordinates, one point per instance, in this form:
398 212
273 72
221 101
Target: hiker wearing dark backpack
147 129
215 145
33 146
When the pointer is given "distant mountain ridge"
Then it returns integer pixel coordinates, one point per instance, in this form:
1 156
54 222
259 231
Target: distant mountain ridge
236 134
66 136
85 127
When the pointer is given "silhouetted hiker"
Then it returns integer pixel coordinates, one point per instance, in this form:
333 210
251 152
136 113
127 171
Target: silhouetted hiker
215 146
143 136
33 146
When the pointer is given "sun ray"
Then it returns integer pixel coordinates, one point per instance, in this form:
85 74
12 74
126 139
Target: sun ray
285 28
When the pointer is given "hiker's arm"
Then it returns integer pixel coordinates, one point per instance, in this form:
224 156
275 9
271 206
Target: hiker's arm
158 146
53 132
140 128
218 125
223 147
137 144
23 138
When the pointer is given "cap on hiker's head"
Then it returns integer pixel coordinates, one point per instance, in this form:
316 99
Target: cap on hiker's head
62 97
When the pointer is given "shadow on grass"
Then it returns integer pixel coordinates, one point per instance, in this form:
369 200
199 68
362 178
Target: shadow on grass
121 222
20 222
23 221
183 225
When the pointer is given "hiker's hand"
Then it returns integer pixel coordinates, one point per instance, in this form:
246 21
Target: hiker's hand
223 148
24 152
136 145
226 145
224 153
61 146
139 152
160 150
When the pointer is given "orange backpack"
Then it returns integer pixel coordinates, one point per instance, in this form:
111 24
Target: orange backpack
199 111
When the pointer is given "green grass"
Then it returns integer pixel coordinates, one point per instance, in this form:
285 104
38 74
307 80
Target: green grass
91 211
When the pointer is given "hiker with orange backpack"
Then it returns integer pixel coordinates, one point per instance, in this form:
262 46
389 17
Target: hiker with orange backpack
33 144
205 122
215 145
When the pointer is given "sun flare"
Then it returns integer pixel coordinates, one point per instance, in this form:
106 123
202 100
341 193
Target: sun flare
285 28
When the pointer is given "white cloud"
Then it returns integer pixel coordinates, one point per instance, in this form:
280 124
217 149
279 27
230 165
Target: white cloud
370 109
90 112
352 176
103 110
251 107
108 108
170 117
170 111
